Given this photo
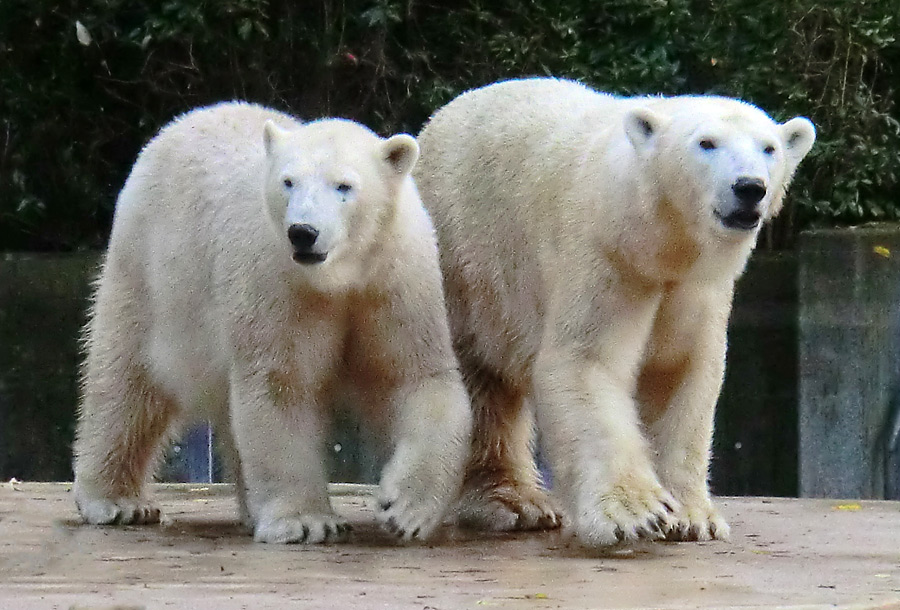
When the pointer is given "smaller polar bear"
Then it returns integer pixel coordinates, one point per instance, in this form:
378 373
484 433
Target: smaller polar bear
590 245
258 270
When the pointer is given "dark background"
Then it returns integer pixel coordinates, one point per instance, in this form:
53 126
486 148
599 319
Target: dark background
74 115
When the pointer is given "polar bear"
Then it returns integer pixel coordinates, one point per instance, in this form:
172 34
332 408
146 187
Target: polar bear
258 270
590 245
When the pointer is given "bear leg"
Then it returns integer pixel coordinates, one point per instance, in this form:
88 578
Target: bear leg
601 461
502 490
431 431
122 422
278 432
234 469
681 438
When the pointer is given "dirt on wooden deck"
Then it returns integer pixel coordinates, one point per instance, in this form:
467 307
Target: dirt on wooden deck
783 553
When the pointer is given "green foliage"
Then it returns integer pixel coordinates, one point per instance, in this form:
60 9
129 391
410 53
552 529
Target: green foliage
74 114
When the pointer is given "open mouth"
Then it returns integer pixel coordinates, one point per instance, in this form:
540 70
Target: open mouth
310 258
741 220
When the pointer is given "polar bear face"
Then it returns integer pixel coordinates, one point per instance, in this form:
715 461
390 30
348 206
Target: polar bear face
725 156
330 186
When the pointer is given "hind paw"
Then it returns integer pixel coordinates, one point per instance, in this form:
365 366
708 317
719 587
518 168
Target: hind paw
508 507
122 511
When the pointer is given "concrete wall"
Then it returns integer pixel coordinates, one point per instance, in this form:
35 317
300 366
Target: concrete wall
849 358
42 308
755 443
42 301
810 382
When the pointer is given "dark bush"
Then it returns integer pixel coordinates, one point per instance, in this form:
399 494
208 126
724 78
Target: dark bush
75 114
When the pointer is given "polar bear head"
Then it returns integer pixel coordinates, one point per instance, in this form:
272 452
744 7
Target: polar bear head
722 155
331 185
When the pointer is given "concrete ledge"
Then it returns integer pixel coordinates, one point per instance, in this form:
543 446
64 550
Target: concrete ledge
784 553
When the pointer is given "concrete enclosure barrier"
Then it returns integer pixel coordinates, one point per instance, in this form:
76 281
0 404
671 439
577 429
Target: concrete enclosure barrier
850 362
809 407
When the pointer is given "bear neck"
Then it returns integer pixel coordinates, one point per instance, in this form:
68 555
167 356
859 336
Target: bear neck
660 246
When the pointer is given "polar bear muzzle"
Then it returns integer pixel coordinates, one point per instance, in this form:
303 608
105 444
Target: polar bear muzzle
303 238
746 214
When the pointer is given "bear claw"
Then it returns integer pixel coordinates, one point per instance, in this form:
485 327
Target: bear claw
118 512
303 529
699 526
507 508
406 524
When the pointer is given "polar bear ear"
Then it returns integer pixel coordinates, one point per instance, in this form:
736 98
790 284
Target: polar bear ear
272 134
401 152
643 126
798 135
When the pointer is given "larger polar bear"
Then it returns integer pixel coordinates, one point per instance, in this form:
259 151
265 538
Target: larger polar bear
590 246
258 270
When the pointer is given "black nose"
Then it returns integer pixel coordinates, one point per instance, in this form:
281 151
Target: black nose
302 236
749 191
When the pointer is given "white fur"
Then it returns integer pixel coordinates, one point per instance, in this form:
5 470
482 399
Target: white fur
587 266
200 312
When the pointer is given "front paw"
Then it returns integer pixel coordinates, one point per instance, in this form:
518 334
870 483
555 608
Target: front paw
406 512
411 501
302 529
698 521
416 489
630 510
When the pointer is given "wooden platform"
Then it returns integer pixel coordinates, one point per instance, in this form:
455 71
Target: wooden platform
784 553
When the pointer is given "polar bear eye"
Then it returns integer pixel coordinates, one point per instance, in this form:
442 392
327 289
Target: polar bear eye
769 150
288 183
707 144
343 188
